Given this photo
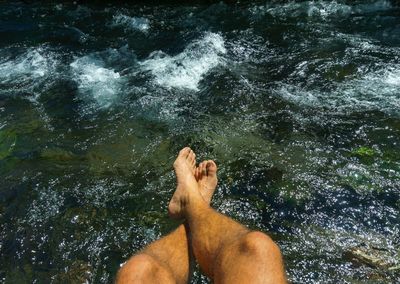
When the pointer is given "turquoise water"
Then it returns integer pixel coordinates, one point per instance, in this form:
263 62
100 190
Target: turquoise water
298 103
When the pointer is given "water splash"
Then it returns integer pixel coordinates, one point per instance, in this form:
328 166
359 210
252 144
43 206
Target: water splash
131 23
96 82
377 90
186 69
27 71
318 9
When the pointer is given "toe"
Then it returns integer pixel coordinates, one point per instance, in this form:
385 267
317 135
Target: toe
200 169
204 168
211 168
191 157
184 152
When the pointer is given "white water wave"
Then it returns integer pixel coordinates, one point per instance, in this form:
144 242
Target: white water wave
319 9
379 90
131 23
96 82
28 70
186 69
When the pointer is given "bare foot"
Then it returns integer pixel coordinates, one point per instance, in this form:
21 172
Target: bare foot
187 190
206 176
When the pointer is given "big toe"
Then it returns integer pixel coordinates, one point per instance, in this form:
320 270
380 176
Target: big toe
182 156
184 152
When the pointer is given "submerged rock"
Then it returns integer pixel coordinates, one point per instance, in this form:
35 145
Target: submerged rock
377 258
78 272
365 152
57 154
7 143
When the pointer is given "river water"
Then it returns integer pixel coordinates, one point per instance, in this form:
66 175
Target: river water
298 103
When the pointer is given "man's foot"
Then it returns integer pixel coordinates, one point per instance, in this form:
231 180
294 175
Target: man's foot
187 190
206 176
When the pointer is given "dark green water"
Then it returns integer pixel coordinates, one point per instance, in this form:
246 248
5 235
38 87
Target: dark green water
298 103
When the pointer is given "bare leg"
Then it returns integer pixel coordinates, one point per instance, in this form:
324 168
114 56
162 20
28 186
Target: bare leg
168 260
226 251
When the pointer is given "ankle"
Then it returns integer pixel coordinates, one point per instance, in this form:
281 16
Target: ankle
196 208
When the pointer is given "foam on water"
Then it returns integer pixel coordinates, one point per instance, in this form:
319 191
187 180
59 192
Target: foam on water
31 63
27 70
323 9
95 82
186 69
319 9
392 77
379 90
131 23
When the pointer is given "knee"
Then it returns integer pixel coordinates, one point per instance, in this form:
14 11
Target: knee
259 244
135 268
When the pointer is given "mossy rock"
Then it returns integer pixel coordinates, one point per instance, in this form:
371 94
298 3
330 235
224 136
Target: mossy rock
8 139
29 125
377 258
364 152
111 158
57 154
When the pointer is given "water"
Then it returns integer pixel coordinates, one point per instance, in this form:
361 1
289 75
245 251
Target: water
298 103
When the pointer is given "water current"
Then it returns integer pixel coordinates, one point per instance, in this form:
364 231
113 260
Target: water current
298 103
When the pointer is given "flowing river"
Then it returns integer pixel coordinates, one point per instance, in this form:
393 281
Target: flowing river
297 102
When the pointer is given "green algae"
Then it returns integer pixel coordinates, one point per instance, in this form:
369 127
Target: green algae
365 152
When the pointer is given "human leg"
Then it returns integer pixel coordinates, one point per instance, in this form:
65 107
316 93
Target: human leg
168 260
226 251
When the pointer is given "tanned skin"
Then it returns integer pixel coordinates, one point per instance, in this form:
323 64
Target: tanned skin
226 251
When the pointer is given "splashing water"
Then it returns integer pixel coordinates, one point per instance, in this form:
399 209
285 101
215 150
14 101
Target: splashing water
95 82
188 68
27 71
131 23
378 90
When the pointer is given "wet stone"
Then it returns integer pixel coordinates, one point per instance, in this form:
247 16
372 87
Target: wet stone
78 272
57 154
378 258
8 139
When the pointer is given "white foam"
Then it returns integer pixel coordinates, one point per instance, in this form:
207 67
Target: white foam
392 77
319 9
186 69
323 9
131 23
31 72
95 82
34 63
379 90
